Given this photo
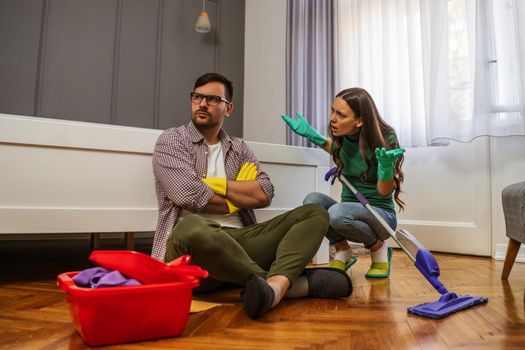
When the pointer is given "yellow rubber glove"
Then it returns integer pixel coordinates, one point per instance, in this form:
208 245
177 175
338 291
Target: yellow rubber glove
232 207
242 172
248 172
217 184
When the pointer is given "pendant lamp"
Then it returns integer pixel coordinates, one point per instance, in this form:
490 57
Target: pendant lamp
203 21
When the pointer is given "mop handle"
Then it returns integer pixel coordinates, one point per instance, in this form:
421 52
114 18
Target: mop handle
362 199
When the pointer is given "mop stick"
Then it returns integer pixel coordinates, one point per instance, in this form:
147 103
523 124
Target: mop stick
425 262
362 199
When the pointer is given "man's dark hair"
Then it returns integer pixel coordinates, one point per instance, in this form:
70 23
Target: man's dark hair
215 77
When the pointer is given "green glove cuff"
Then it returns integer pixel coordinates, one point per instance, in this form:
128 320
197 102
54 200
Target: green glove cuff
385 173
217 184
317 139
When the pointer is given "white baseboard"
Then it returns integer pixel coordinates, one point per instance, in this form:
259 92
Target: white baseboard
501 251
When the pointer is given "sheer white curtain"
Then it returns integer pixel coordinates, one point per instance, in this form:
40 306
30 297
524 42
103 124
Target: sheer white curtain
437 69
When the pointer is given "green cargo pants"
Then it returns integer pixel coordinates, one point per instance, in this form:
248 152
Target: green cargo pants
283 245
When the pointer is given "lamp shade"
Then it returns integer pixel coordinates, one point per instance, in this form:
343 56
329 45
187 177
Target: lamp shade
203 23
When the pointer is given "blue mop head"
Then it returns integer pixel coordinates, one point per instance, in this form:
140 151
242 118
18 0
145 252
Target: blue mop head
449 302
426 264
446 305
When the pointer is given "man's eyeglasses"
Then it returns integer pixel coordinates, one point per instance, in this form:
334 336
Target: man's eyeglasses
211 100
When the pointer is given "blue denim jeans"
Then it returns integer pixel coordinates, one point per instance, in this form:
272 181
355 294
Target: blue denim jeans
352 221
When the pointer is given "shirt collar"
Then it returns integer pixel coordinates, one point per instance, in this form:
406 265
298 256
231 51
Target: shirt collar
197 137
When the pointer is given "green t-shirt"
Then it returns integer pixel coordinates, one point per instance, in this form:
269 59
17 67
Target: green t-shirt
354 166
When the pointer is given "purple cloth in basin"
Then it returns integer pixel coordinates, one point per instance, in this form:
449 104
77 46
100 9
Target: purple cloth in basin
98 277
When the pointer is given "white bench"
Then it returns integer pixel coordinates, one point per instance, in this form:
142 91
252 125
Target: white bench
60 176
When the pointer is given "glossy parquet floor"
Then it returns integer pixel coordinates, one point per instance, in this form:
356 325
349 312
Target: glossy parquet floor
34 312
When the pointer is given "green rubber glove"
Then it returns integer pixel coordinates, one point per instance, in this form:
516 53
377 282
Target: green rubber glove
386 161
217 184
301 127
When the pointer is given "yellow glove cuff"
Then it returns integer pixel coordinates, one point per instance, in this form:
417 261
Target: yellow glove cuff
217 184
248 172
233 209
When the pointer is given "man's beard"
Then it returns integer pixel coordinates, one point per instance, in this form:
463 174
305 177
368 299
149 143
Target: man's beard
203 123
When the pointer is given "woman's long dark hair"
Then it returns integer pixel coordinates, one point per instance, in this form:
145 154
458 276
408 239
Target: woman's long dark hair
371 136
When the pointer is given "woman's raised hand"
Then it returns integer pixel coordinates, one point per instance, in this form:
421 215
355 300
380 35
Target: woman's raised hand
386 161
301 127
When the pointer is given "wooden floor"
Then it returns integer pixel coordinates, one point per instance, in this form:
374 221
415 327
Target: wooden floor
34 312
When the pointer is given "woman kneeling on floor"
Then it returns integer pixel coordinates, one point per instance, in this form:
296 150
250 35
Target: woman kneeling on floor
366 151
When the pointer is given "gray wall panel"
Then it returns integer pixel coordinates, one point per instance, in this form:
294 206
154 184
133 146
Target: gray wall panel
135 103
78 60
231 53
186 54
20 22
126 62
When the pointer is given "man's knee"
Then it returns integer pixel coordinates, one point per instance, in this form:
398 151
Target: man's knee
191 231
318 212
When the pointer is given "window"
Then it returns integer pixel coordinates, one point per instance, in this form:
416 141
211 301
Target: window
438 70
503 57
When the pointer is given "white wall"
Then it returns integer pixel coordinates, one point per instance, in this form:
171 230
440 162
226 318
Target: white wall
264 71
507 165
62 176
453 193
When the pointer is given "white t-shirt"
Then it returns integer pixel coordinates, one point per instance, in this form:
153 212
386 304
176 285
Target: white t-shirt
216 169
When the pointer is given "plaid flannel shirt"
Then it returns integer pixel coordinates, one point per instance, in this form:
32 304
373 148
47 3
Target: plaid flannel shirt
179 165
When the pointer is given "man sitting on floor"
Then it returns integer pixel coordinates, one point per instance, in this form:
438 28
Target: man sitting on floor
207 185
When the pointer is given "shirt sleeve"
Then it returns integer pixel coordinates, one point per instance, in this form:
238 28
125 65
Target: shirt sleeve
262 177
174 169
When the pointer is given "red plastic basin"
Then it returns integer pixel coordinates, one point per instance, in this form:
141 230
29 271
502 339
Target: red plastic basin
124 314
158 308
